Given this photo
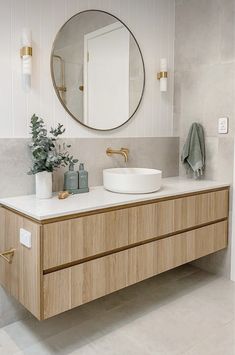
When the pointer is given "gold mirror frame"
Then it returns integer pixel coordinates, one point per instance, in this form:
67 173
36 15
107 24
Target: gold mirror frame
54 82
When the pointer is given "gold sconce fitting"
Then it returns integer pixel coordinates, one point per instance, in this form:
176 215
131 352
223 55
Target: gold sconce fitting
162 74
26 51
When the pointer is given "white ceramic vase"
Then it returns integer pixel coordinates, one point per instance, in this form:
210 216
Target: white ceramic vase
44 184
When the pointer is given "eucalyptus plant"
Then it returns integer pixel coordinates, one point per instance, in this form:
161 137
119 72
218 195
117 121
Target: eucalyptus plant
47 154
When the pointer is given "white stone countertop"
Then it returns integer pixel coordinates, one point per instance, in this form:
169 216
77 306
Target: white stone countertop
99 198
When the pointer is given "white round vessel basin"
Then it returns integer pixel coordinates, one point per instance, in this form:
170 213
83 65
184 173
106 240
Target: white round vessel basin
132 180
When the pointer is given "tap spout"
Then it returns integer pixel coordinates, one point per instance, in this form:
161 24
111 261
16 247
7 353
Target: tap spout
123 151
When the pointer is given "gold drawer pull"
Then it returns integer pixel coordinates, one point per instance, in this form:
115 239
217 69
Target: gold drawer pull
8 255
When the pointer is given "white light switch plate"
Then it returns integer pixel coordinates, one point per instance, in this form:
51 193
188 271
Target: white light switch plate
25 238
223 125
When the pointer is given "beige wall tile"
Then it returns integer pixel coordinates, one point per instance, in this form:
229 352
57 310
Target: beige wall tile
197 33
15 160
158 153
205 97
205 89
227 40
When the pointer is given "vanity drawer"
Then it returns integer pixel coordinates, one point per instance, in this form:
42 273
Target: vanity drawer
85 237
78 238
79 284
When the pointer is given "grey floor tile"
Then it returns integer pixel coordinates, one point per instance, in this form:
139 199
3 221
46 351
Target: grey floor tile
184 311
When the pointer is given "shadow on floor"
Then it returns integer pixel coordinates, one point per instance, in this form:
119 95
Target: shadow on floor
72 330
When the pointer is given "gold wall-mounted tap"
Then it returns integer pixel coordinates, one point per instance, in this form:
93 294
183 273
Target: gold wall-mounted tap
123 151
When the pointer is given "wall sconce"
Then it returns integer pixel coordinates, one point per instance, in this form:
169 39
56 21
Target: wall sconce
26 58
162 75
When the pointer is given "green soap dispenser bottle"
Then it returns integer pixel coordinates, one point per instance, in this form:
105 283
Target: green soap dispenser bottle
82 179
71 179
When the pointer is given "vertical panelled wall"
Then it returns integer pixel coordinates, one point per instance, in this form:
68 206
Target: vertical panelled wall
151 21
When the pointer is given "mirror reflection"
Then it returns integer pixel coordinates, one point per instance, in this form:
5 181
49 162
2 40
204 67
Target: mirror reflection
97 70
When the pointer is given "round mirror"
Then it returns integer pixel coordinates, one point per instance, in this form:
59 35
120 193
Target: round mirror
97 70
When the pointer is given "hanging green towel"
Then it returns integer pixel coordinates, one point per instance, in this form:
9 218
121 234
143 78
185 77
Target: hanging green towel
193 154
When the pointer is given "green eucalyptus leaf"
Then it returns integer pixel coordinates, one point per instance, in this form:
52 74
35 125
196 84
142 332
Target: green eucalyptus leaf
47 154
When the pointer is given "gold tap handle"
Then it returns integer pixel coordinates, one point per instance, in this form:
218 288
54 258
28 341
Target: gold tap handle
125 150
8 255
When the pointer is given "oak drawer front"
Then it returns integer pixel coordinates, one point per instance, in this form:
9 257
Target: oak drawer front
76 285
79 238
84 237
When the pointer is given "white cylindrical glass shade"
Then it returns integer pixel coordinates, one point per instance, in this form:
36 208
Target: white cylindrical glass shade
163 84
163 64
26 41
26 38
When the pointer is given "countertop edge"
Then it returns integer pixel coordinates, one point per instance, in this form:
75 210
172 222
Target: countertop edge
110 206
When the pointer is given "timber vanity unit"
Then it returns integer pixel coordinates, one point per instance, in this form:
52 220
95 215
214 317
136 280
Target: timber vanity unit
93 244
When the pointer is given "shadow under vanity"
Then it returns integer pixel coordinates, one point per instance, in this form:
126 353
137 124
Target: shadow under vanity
99 242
